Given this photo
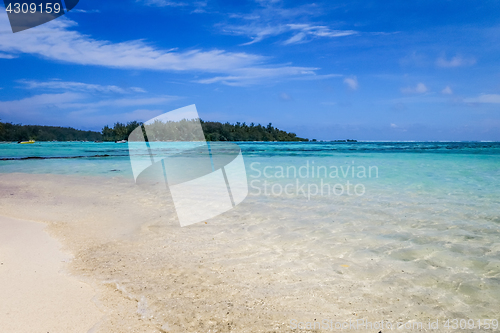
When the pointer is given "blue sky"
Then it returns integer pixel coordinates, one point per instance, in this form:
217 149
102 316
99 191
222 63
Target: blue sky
367 70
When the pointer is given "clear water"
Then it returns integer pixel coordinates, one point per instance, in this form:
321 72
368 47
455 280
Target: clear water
422 240
462 169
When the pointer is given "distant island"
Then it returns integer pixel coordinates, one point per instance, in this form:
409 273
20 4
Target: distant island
214 131
18 132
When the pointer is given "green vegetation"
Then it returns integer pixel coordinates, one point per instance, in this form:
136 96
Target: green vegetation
119 131
17 132
214 131
178 131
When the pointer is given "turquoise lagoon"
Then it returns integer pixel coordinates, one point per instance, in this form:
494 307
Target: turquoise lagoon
425 224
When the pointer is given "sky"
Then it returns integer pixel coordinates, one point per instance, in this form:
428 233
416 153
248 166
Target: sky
366 70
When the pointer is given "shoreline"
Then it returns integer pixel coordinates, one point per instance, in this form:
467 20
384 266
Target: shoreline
37 294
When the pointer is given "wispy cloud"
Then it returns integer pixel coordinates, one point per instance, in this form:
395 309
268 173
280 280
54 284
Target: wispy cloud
456 61
80 104
447 91
7 56
296 24
300 32
86 11
351 82
420 88
38 103
83 109
163 3
298 38
194 6
120 103
256 32
285 97
78 86
247 76
56 41
484 98
321 31
307 30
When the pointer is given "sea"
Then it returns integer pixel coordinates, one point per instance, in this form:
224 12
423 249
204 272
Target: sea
330 232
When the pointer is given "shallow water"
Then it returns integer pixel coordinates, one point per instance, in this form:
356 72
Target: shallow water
421 242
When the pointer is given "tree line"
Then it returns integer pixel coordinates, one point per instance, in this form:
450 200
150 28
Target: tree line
18 132
214 131
175 131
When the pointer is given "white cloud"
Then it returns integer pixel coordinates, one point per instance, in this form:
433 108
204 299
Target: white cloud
316 77
70 100
38 103
394 126
55 41
456 61
320 30
267 2
78 86
7 56
352 82
77 109
137 89
301 32
163 3
420 88
447 91
484 98
194 6
257 33
295 39
86 11
120 103
247 76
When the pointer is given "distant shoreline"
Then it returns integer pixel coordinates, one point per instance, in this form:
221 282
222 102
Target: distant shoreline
213 131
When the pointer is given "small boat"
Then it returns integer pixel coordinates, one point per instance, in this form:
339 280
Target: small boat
26 142
121 141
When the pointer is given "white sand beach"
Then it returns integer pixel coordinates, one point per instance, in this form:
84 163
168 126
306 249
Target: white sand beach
37 295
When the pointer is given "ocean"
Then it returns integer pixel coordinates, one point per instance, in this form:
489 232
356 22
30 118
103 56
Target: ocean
391 232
